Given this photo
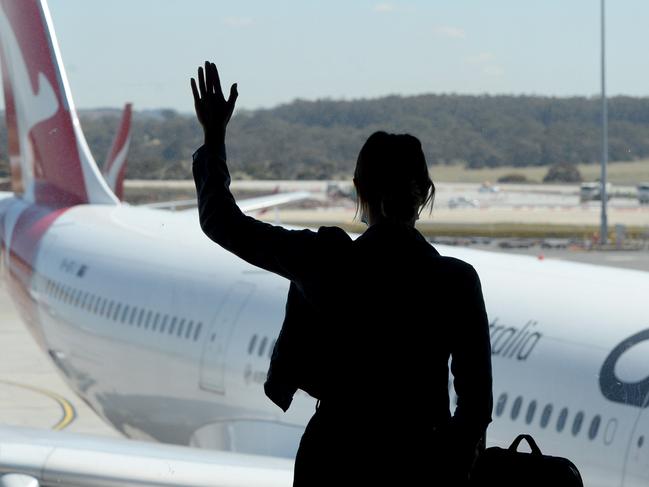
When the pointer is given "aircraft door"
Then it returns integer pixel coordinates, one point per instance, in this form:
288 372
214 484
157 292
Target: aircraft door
213 366
636 471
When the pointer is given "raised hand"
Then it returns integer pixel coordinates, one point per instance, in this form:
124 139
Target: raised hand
212 109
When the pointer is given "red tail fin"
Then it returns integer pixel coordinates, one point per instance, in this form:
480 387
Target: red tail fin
51 162
114 169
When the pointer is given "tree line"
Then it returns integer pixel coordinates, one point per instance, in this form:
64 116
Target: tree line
321 139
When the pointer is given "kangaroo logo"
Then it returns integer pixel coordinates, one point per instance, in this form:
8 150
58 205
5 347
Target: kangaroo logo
31 107
616 390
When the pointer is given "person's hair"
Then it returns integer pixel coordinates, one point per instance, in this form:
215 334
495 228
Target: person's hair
392 177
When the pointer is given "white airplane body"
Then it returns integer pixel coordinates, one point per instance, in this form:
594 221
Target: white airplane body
167 336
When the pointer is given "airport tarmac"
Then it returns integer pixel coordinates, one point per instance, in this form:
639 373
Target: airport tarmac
31 391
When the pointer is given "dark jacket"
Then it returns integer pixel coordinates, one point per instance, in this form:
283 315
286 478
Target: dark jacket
369 329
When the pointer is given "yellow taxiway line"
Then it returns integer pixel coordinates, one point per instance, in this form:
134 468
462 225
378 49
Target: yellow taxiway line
68 413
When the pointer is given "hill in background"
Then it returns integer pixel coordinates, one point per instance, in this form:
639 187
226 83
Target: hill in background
321 139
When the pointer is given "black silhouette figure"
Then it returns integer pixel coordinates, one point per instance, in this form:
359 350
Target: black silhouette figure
370 324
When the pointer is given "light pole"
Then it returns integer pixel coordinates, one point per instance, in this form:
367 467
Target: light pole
604 220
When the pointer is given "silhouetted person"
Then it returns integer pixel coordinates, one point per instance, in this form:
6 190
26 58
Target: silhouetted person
370 324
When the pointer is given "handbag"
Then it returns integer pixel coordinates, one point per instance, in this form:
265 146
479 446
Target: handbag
505 467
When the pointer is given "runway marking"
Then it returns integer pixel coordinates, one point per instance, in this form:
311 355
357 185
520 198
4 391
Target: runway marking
68 413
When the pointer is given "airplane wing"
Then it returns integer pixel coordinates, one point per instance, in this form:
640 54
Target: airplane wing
73 460
246 205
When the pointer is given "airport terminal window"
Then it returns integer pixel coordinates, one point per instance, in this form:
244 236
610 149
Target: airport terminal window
262 346
516 407
198 330
500 405
594 427
545 415
531 409
251 345
577 422
561 420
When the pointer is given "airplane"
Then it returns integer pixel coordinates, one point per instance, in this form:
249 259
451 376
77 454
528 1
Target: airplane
167 337
114 168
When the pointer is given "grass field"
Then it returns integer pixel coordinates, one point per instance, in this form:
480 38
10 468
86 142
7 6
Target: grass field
625 173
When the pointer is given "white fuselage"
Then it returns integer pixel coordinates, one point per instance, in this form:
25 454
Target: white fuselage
168 337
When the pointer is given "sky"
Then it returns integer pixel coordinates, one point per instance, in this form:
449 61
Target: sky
144 51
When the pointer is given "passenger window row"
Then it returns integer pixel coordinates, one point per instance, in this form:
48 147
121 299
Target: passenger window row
259 346
123 313
546 416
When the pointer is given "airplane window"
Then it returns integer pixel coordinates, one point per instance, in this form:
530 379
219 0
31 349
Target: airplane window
262 346
77 297
198 330
500 405
561 420
164 323
148 319
181 325
251 345
594 427
117 310
640 441
172 325
139 317
155 321
110 308
576 424
531 409
516 407
132 317
84 301
125 313
104 301
545 415
92 304
190 325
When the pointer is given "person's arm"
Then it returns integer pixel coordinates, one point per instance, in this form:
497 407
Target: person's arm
290 253
471 368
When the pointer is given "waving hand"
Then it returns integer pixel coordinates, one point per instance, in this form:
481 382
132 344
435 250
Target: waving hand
212 109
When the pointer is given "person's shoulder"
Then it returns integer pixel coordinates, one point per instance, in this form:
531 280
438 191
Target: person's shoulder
458 267
334 235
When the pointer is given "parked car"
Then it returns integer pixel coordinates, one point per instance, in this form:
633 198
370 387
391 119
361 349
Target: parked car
592 191
463 202
643 193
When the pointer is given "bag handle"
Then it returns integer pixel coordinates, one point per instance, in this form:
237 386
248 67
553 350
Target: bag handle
530 441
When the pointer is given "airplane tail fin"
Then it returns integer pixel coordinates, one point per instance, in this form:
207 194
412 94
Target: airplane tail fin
114 169
50 159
